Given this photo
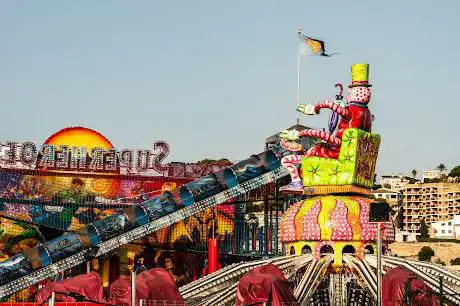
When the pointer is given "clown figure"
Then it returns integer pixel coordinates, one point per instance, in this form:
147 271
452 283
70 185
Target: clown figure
355 114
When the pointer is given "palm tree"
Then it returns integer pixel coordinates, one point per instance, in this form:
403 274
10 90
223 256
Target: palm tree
414 173
441 167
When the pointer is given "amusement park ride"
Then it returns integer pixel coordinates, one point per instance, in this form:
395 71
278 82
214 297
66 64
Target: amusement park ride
331 243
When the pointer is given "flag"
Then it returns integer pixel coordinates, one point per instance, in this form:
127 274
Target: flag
312 45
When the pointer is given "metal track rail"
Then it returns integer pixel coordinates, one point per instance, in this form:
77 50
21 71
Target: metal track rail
431 280
227 297
365 272
287 263
214 282
306 277
114 243
219 288
438 271
311 279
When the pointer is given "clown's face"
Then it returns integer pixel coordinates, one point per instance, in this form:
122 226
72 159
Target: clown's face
359 94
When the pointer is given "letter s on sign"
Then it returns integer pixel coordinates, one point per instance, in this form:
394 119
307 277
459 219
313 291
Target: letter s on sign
160 157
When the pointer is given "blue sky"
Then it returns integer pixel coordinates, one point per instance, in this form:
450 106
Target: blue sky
214 78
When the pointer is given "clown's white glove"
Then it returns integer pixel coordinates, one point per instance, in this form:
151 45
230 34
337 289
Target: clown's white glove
306 109
290 135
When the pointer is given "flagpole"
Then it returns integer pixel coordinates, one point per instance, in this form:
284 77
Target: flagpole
298 75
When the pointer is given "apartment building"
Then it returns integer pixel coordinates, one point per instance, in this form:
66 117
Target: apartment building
434 202
392 197
449 229
395 182
432 174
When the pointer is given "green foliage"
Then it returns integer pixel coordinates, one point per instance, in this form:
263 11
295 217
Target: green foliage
455 172
414 173
441 179
438 240
399 220
455 262
441 167
387 186
376 186
214 161
424 232
425 253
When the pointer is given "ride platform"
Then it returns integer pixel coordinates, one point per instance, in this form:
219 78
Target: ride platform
344 189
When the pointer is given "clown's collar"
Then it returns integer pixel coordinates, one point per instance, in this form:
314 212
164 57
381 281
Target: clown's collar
356 103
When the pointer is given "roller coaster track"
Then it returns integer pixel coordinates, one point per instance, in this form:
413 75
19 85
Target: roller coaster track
365 272
141 231
220 287
338 289
430 273
312 278
435 270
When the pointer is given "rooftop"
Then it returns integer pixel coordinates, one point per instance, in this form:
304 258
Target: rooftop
455 186
384 190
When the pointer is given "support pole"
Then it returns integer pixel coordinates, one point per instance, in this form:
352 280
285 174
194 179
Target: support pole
105 272
266 225
285 207
254 237
298 76
379 264
276 217
212 255
247 236
270 245
133 288
88 267
261 241
53 297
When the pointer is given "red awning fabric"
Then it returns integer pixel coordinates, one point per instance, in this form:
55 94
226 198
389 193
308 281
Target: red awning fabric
265 284
87 285
157 285
151 285
396 283
120 291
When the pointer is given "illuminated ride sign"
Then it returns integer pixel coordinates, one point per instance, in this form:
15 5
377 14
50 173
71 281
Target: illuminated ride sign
73 158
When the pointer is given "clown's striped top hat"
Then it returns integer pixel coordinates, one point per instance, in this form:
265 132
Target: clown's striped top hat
360 75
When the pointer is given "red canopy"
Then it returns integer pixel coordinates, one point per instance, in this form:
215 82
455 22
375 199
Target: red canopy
265 284
396 283
158 285
87 285
154 285
120 291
